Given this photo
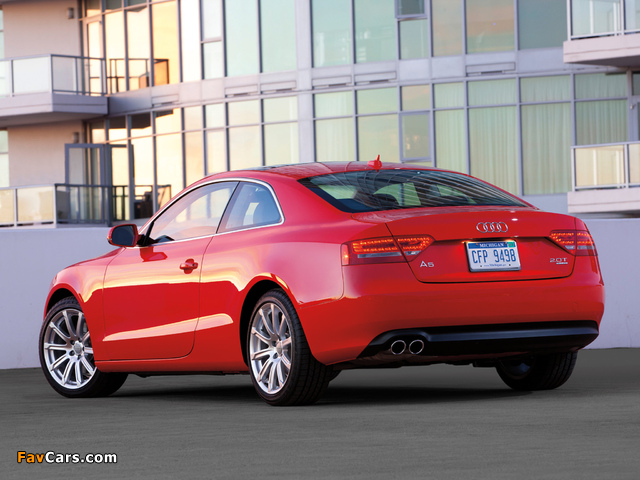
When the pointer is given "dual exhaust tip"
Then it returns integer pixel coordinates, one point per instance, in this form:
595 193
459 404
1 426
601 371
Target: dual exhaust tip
414 348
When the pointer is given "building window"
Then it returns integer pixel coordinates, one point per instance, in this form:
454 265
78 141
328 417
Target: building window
212 51
334 127
490 25
375 31
447 27
4 158
331 25
536 16
410 8
278 35
415 121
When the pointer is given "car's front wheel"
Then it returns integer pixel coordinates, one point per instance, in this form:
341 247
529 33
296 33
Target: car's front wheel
541 372
283 370
66 354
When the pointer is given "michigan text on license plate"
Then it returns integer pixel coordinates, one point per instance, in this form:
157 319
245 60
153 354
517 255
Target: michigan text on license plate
491 256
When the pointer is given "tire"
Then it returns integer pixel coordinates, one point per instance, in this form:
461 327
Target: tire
543 372
66 354
282 368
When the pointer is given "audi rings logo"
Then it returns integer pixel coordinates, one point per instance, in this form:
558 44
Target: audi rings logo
492 227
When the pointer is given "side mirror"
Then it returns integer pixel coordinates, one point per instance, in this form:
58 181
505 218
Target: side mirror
123 235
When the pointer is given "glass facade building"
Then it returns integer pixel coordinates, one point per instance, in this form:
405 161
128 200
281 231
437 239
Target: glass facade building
203 86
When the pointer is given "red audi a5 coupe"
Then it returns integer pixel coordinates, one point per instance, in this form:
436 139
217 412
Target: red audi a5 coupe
294 273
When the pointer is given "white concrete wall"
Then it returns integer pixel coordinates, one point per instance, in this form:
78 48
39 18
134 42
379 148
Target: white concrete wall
37 152
29 258
55 32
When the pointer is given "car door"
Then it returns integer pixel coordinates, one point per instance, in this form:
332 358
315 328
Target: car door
152 291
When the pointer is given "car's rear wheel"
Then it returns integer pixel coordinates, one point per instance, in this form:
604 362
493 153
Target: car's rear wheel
541 372
66 354
283 370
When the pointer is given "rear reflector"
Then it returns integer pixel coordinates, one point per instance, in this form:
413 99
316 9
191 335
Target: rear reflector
577 242
384 250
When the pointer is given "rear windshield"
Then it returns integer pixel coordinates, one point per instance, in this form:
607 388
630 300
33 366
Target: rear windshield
371 191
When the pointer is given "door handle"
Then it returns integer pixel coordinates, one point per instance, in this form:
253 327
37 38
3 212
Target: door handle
189 265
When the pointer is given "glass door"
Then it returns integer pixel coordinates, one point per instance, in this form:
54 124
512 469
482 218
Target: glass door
83 199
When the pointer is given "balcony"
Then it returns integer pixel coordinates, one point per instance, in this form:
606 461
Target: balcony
606 179
50 88
603 32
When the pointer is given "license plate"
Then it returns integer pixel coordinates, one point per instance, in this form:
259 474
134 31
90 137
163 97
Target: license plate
491 256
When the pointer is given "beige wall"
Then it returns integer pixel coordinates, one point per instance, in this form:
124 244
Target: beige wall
55 33
36 153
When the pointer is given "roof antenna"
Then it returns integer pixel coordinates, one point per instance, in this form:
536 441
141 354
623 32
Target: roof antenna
377 164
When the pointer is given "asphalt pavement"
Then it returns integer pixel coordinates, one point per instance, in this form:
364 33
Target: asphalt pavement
436 422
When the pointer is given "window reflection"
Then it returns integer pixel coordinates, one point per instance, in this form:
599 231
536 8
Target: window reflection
331 32
165 43
490 25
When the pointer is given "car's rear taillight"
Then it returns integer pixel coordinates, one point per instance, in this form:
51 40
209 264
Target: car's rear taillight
577 242
384 250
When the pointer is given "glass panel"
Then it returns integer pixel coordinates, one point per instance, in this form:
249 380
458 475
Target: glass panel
377 100
165 44
169 165
415 136
31 75
335 140
95 72
599 166
278 35
378 135
117 128
141 125
211 18
490 25
120 181
241 28
375 31
168 121
216 151
492 92
449 95
112 4
636 83
331 32
632 14
5 74
492 146
35 205
7 207
214 115
546 142
245 147
280 109
243 113
114 46
213 62
142 152
193 156
4 172
447 27
601 122
92 7
4 141
190 31
192 118
634 163
416 97
333 104
545 89
139 48
414 39
592 17
253 206
410 7
601 85
281 143
451 140
536 16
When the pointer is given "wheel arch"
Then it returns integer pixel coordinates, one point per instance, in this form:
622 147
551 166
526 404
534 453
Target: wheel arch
250 301
58 295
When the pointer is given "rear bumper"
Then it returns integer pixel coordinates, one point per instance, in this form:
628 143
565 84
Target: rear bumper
488 318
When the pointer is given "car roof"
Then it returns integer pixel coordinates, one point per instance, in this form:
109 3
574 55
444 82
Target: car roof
297 171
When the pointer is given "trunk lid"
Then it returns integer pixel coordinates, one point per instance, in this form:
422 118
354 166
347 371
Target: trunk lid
458 231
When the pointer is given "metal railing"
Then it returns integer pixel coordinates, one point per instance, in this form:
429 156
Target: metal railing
615 165
70 204
52 73
599 18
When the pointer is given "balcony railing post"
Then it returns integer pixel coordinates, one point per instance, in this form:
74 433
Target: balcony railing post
15 207
627 177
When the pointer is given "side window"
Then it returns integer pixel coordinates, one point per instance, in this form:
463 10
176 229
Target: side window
197 214
252 205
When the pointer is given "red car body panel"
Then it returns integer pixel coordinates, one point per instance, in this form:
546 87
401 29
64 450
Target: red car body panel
147 314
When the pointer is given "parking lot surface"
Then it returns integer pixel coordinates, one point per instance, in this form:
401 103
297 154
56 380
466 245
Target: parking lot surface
437 422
